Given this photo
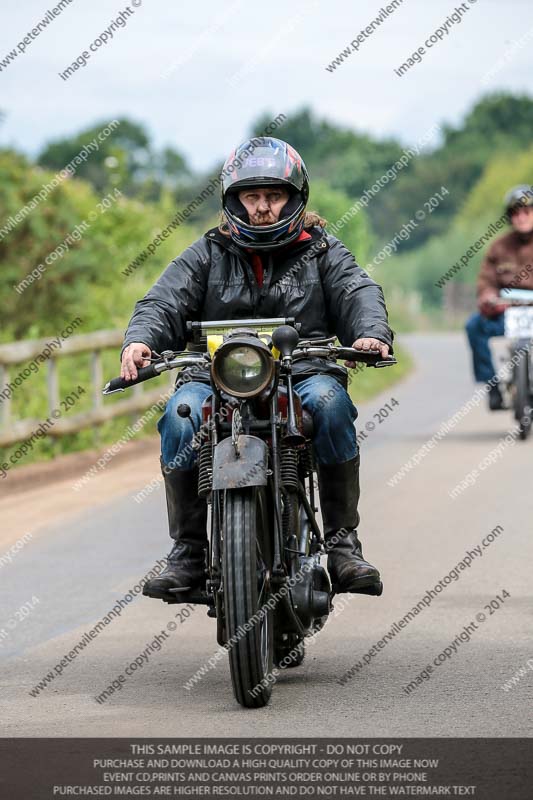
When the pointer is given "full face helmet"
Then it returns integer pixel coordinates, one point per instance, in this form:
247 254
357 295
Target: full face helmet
260 162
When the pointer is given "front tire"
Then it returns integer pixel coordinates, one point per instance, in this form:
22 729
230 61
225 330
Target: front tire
522 395
247 569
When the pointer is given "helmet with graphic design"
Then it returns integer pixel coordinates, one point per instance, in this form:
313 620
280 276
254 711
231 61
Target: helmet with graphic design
263 162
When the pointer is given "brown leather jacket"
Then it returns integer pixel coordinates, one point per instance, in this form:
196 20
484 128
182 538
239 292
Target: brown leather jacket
507 264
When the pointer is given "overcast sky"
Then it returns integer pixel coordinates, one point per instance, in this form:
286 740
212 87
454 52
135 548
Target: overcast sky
198 74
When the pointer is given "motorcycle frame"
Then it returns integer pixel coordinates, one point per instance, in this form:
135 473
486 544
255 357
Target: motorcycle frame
283 562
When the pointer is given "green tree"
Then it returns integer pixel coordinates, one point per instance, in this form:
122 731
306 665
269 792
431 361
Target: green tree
422 268
495 122
347 160
125 159
498 123
87 247
356 233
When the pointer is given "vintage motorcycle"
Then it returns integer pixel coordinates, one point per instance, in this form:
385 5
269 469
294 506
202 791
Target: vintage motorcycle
266 587
518 387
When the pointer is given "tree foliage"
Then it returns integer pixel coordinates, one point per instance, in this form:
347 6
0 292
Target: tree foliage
124 159
477 160
84 277
352 162
331 205
421 269
346 160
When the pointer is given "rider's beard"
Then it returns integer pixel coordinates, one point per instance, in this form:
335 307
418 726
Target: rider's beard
263 219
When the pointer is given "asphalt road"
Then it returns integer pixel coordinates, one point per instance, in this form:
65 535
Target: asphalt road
414 531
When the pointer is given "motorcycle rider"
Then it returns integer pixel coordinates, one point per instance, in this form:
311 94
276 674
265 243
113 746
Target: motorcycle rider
268 258
507 264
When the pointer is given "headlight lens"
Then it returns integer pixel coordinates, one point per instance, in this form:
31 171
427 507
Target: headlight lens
242 370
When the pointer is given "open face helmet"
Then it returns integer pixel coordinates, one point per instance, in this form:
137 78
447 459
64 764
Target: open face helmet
518 197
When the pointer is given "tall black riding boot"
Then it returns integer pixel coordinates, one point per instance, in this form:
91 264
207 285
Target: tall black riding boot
339 497
187 520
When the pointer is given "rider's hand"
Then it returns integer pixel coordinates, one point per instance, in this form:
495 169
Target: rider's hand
372 345
135 355
490 306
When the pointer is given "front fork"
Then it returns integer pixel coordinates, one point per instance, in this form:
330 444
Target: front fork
280 473
226 464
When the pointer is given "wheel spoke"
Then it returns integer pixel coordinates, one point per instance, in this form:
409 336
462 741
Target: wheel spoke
259 550
260 598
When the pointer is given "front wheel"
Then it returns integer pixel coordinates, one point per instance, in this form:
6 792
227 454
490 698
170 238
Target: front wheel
522 395
247 570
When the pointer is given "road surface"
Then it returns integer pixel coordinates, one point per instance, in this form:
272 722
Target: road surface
77 567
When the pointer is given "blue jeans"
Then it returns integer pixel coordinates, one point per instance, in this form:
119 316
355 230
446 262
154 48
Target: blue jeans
333 413
479 329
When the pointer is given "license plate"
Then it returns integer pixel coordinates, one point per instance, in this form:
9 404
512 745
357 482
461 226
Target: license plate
519 322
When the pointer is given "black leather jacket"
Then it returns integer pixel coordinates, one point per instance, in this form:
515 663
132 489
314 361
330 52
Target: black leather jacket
317 281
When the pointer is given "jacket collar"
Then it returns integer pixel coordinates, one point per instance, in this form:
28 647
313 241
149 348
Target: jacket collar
315 234
524 238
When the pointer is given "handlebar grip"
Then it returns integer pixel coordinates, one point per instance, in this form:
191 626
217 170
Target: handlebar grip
369 357
143 374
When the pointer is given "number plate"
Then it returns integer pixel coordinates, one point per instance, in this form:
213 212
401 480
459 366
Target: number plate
519 322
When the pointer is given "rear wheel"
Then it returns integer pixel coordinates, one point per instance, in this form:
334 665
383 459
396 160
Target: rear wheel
247 569
522 395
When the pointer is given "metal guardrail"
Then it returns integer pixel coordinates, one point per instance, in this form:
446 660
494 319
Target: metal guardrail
13 430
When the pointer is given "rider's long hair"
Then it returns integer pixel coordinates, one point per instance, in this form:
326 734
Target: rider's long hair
311 219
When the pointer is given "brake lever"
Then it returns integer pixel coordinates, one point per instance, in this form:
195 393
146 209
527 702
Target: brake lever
389 363
316 342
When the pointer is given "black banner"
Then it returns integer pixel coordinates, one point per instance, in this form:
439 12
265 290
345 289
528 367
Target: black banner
488 769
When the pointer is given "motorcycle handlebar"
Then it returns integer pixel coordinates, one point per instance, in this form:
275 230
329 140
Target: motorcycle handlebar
143 374
501 301
369 357
146 373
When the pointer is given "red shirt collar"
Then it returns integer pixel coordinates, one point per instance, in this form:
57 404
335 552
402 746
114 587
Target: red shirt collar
257 263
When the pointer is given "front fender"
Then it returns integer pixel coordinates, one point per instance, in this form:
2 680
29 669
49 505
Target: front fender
249 469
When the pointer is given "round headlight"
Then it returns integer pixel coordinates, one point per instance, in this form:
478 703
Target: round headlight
241 369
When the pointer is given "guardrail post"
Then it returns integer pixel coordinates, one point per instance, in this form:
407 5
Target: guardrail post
97 379
52 381
5 406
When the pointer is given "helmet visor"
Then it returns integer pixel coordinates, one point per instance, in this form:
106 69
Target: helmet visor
263 161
